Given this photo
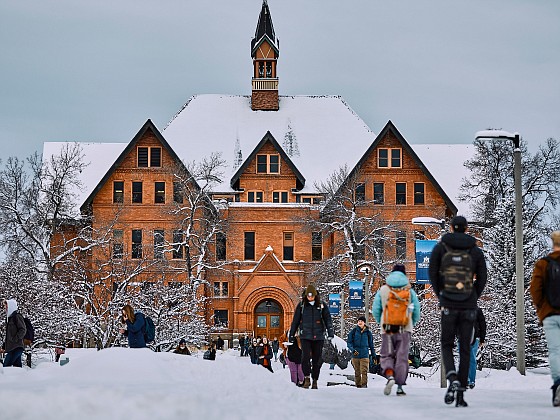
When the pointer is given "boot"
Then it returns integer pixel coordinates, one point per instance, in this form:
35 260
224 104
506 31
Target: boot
451 390
314 384
389 385
556 395
460 400
400 391
306 382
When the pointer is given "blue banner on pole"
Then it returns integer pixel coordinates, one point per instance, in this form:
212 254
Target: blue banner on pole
355 294
423 253
334 303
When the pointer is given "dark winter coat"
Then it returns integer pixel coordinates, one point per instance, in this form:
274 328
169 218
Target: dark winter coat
480 326
275 345
313 321
457 240
15 331
544 308
135 331
294 352
179 350
266 351
361 340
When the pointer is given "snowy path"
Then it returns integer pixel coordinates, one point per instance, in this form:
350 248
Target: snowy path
124 384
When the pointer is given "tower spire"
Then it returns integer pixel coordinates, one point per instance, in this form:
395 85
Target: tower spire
265 49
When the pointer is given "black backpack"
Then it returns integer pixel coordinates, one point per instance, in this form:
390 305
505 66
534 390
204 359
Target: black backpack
29 336
552 283
456 270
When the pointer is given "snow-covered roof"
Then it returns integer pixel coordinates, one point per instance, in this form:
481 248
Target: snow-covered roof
327 131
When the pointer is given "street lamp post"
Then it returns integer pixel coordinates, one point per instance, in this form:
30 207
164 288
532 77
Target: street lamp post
432 221
519 275
368 277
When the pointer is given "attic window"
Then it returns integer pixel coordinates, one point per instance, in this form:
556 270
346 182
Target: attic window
268 164
149 157
389 158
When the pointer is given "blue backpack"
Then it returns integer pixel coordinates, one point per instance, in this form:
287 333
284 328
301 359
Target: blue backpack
149 330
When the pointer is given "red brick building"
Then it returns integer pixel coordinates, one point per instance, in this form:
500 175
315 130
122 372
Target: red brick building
276 149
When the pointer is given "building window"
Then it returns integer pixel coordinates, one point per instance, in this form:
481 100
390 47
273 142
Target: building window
261 69
401 245
160 192
178 192
288 246
419 193
389 158
137 192
221 318
255 197
177 244
220 289
316 246
249 246
158 244
136 243
280 196
360 193
400 197
220 246
118 191
268 69
378 193
149 157
118 247
268 164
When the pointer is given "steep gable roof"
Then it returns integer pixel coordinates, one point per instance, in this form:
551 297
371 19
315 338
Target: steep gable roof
390 127
265 28
148 126
268 137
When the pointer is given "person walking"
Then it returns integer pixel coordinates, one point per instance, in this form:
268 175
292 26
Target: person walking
458 276
360 344
241 345
397 310
479 337
544 295
135 326
313 320
264 354
275 346
15 331
252 351
182 348
220 343
293 359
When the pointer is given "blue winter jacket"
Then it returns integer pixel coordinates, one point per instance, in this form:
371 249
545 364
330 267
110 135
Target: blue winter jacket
135 331
395 279
362 341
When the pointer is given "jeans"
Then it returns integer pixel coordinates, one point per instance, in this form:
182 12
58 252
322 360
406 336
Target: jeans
472 365
457 323
13 357
551 325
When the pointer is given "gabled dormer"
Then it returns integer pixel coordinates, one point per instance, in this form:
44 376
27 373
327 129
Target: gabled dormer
268 169
265 49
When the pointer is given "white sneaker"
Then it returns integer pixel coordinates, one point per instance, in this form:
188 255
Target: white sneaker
389 385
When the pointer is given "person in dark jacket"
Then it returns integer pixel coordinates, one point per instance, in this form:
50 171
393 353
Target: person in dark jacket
275 346
457 316
135 326
313 320
220 343
252 351
293 359
549 316
15 331
360 344
479 337
182 348
241 346
264 354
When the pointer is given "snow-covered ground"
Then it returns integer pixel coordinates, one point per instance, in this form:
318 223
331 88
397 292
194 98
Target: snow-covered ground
120 383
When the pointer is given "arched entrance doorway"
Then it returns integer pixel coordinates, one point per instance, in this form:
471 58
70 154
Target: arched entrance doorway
269 319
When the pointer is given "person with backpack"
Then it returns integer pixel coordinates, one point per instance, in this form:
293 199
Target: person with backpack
135 327
15 331
458 276
313 319
360 344
397 310
545 291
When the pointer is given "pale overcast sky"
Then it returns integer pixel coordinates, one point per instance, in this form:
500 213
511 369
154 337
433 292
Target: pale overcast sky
439 69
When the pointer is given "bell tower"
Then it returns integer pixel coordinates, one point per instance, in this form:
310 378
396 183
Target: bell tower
265 49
